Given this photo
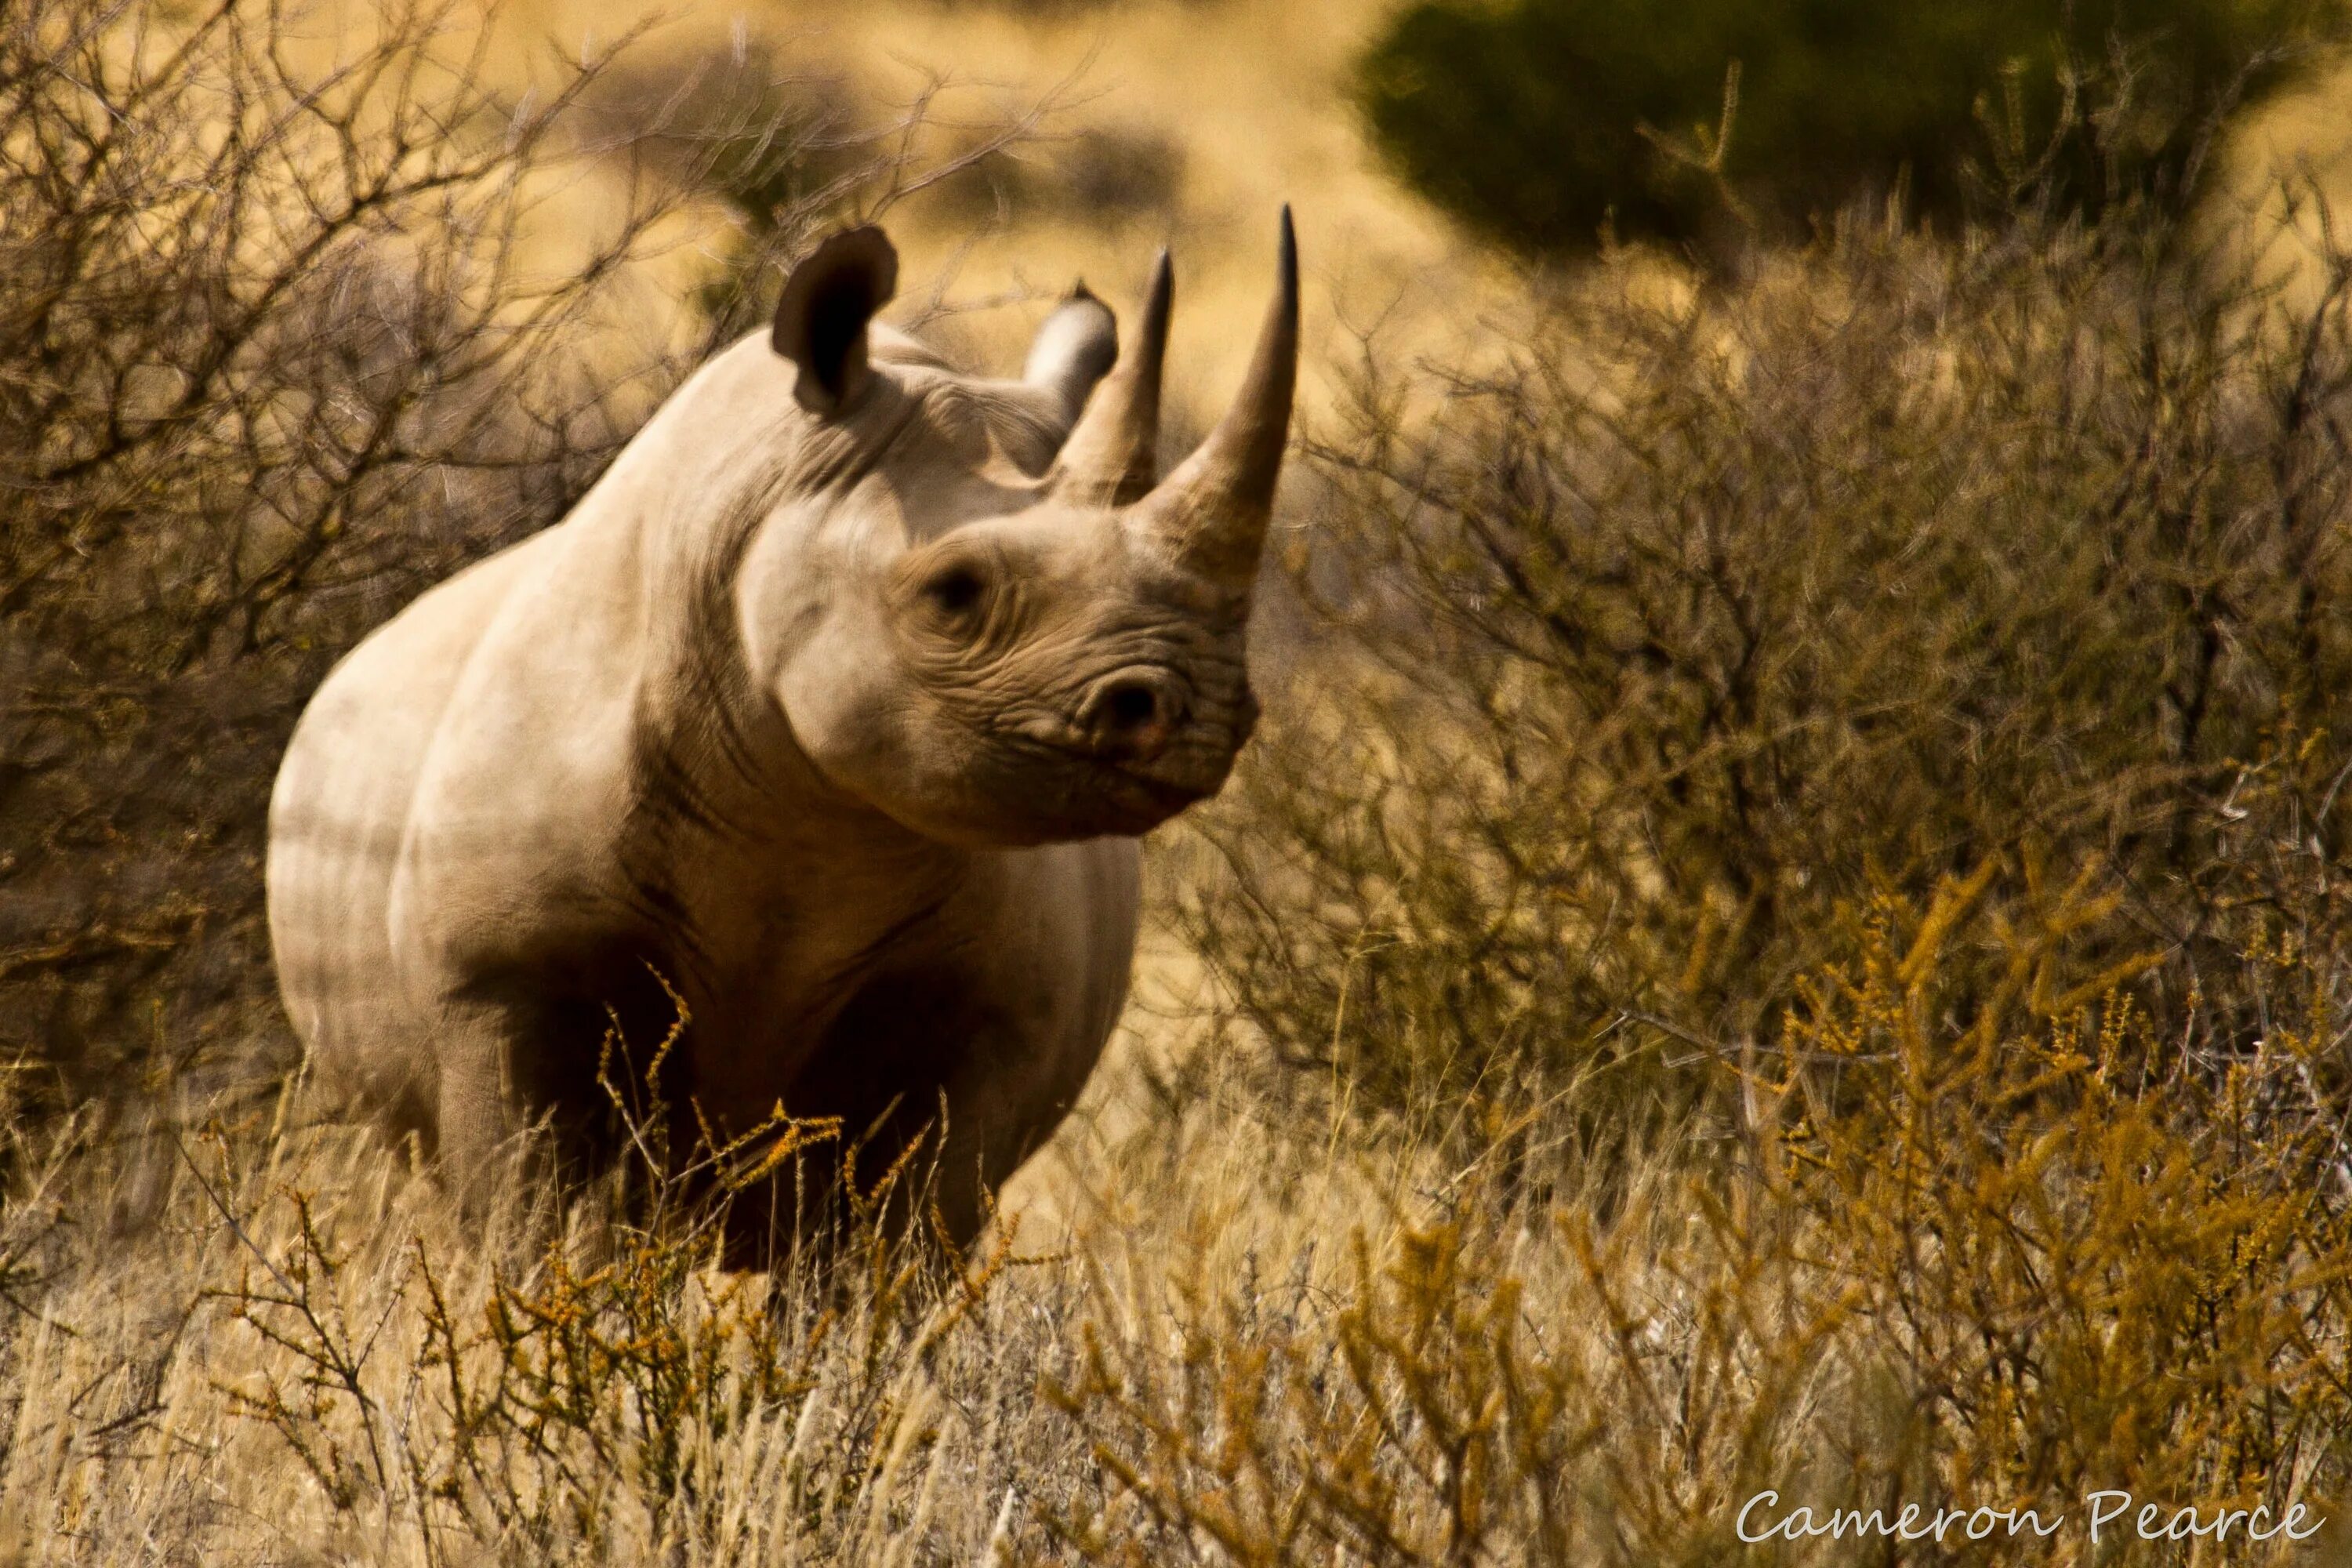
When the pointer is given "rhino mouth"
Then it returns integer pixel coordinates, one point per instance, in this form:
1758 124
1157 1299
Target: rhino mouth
1166 796
1124 797
1108 793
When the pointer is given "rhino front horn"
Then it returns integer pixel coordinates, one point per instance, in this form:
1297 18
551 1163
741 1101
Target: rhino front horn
1111 457
1212 510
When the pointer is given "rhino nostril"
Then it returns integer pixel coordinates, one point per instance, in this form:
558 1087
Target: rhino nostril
1134 714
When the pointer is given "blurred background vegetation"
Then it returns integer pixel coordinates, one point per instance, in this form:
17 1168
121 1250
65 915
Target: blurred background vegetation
1555 125
1785 926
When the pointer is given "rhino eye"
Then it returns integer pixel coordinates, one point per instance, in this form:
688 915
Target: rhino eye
954 590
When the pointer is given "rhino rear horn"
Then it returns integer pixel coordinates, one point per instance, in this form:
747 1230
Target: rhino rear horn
1211 512
1112 455
822 317
1073 350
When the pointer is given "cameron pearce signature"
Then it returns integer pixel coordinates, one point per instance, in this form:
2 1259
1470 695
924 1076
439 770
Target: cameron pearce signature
1761 1519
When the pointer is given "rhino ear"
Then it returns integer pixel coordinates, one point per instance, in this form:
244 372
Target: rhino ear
821 319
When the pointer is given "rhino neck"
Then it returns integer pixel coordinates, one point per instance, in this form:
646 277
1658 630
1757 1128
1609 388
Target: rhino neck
763 881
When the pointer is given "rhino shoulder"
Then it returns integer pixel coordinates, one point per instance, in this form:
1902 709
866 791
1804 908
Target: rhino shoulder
523 783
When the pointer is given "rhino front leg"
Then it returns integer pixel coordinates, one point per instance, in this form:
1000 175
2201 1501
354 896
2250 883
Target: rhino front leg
935 1061
563 1053
481 1045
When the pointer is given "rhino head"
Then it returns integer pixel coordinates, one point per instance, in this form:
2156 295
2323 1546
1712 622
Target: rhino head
992 620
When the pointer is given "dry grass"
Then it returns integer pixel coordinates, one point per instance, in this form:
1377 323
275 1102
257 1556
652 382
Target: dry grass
2000 1263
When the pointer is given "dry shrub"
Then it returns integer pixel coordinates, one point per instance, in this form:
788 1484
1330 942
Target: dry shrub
1702 618
777 139
2085 1249
1998 1264
290 327
273 356
1811 845
1111 177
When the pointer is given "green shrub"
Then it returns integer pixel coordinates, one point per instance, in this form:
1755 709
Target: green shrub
1543 121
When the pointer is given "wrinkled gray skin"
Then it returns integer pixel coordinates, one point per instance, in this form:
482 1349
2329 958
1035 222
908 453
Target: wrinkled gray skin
837 703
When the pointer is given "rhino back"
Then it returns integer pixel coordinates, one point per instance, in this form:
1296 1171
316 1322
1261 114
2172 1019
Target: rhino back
337 815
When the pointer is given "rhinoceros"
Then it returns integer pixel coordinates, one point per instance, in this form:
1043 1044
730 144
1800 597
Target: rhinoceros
828 719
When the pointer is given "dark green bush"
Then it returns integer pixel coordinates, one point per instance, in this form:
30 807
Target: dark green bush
1543 121
1648 659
